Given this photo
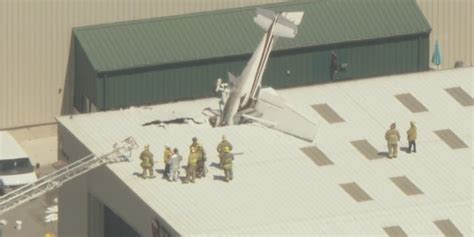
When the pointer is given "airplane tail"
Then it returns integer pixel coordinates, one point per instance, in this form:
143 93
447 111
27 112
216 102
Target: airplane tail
286 25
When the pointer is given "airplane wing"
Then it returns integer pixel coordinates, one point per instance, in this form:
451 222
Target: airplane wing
273 112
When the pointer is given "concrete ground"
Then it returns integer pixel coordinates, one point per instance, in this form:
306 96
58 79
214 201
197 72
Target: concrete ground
32 215
41 144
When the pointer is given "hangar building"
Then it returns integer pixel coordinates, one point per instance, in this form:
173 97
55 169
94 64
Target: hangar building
342 184
37 50
180 57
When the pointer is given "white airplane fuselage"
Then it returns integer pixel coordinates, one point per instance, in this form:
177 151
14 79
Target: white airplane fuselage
247 85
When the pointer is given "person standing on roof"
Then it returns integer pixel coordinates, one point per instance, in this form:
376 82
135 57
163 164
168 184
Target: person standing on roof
411 137
220 148
147 162
175 160
392 136
195 143
192 163
227 159
166 158
223 91
200 166
201 163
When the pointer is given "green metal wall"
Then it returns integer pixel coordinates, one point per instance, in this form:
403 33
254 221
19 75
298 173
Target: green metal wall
285 69
365 59
85 83
152 86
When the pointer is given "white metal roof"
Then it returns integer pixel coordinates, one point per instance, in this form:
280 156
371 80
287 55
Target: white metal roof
277 189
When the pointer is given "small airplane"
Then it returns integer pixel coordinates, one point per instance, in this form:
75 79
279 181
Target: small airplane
244 100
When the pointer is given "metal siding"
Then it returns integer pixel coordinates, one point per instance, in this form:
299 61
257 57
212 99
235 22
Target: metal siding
383 57
304 69
166 84
85 79
167 40
36 43
310 66
47 60
272 164
424 52
452 23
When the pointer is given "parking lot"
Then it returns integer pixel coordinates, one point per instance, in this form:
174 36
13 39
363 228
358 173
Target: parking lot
40 143
32 215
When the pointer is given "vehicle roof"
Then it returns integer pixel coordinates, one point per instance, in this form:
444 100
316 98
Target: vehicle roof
9 147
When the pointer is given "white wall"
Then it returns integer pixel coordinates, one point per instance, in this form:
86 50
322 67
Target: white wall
78 213
77 216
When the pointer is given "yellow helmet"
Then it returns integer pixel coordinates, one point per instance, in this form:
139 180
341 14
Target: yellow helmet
226 149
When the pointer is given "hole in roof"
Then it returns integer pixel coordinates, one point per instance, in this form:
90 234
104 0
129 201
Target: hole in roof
172 121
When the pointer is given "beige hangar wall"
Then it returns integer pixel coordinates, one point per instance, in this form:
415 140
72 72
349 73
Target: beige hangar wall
35 50
452 25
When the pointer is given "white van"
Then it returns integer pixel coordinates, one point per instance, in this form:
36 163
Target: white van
15 166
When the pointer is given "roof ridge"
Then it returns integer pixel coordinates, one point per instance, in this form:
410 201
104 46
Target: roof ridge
184 16
227 26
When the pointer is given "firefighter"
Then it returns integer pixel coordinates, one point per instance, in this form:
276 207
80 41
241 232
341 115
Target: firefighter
220 148
201 163
192 164
195 143
227 159
147 162
166 159
392 136
411 137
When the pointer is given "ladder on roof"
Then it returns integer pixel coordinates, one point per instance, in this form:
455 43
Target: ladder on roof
121 152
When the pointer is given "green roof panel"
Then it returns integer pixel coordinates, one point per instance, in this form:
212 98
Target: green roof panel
207 35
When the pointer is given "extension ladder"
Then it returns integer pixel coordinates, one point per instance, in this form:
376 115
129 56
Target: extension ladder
121 152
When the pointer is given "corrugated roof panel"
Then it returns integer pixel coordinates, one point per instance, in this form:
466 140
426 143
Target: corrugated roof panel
280 191
233 32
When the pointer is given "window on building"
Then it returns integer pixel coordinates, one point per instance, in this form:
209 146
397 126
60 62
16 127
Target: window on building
159 230
114 226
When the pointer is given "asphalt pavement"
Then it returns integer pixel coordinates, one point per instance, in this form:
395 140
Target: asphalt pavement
32 215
